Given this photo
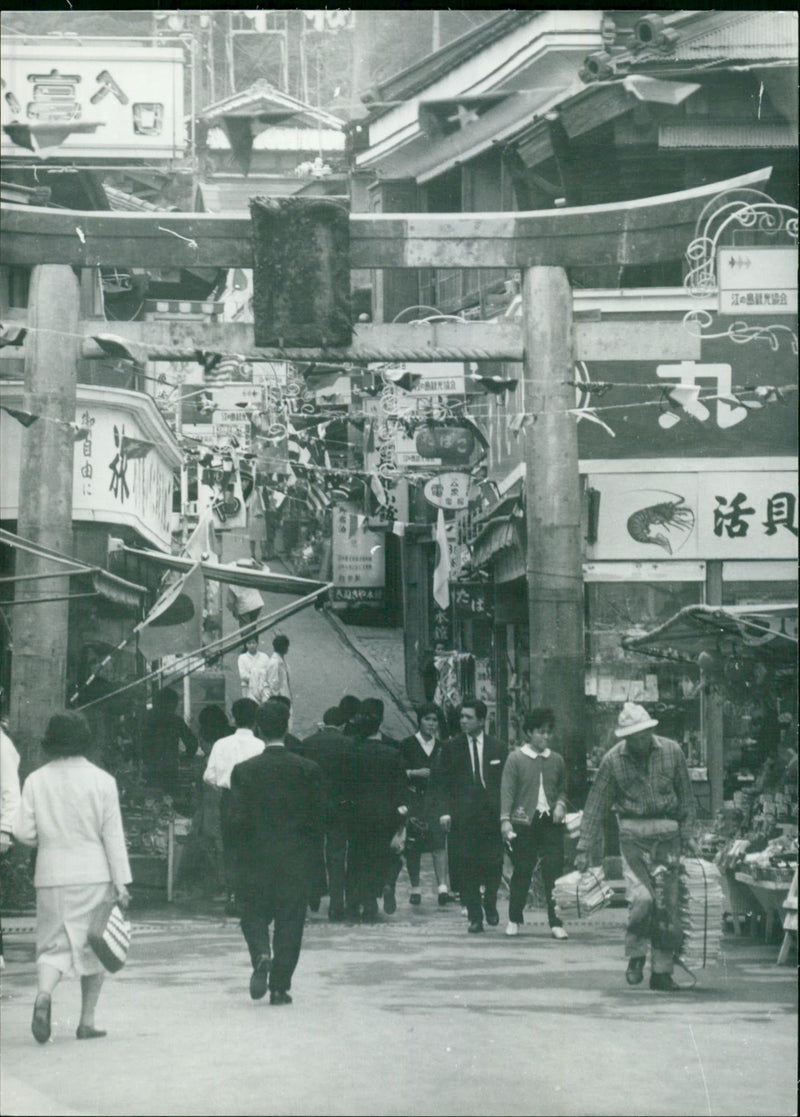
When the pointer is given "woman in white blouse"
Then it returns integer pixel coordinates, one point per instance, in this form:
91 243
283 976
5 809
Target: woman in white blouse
70 811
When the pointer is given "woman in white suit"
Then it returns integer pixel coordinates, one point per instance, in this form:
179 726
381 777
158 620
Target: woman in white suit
70 811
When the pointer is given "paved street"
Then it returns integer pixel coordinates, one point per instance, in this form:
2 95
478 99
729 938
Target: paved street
412 1016
328 659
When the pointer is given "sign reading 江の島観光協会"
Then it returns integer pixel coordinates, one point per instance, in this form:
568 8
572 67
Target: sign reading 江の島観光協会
757 281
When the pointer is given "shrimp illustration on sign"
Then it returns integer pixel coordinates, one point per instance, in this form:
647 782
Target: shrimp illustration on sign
671 515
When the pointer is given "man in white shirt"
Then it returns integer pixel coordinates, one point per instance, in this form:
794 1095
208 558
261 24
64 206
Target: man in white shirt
274 682
465 785
245 603
252 663
225 755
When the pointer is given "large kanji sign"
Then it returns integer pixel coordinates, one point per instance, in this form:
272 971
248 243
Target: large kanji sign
705 515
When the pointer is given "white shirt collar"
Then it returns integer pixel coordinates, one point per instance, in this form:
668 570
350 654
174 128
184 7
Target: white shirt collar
528 750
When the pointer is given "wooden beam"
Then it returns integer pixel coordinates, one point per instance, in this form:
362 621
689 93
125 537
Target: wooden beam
645 230
174 340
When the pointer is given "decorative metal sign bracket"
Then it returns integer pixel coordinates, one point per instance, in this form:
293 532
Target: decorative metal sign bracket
729 220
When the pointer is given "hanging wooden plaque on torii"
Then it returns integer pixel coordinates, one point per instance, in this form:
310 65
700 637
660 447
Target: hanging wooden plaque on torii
301 272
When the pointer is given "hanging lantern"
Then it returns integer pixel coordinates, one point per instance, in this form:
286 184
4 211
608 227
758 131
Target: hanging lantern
452 445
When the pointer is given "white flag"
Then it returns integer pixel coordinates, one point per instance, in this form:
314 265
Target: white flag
441 573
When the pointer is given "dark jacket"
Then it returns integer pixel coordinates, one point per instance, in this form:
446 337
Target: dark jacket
420 799
454 790
329 748
277 811
376 782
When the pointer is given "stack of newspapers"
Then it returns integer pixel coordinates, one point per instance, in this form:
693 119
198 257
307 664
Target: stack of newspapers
582 894
702 906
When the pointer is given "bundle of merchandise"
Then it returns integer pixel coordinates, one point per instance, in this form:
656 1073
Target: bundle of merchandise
573 823
702 906
582 894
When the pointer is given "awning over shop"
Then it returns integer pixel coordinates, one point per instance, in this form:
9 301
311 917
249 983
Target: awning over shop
233 574
766 632
117 589
502 533
109 586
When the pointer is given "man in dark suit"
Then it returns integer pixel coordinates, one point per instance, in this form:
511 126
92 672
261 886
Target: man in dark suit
328 747
277 814
377 791
466 787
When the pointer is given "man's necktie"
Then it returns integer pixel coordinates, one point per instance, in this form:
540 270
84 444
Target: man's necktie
476 771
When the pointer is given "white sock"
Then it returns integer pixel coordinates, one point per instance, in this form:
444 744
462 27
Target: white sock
416 891
443 888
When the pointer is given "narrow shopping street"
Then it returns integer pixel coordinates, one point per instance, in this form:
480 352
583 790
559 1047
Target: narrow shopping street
411 1016
328 659
399 519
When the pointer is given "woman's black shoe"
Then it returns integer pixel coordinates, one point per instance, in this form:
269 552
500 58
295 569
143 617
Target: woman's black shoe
86 1031
40 1025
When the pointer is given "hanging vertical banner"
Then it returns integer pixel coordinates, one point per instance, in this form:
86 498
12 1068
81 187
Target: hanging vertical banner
359 559
441 573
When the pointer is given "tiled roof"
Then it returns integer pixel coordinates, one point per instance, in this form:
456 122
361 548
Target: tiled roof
684 134
415 78
719 36
735 36
264 101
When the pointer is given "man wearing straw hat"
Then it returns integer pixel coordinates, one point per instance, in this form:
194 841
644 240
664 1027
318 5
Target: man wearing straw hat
645 781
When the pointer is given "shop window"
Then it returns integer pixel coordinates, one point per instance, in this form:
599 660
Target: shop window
669 690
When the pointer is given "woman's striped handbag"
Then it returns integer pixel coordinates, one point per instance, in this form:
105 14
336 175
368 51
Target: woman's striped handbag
110 935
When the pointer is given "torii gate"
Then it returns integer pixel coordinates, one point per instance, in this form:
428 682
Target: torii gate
542 244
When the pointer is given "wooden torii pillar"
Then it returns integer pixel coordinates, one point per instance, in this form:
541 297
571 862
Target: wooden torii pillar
45 505
541 245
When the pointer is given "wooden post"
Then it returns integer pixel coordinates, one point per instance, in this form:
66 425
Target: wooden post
45 504
714 702
553 562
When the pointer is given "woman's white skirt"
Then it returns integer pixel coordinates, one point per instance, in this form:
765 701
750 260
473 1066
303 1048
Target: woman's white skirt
63 915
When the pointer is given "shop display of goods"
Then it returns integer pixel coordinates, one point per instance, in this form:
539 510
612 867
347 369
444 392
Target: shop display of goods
702 905
776 862
582 894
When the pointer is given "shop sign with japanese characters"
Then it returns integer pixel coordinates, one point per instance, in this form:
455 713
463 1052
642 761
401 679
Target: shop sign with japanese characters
472 600
757 280
122 466
232 427
359 567
91 99
436 378
448 490
709 515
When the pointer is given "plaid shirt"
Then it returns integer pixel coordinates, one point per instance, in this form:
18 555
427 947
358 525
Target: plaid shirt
657 787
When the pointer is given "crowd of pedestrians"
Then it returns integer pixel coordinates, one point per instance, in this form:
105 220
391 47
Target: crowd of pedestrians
339 814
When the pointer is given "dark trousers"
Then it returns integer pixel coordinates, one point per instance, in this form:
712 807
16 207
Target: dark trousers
542 839
280 896
228 861
369 865
335 862
476 857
